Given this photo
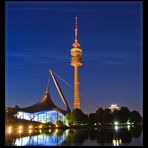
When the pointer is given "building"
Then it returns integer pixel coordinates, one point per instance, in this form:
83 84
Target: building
114 107
76 61
45 110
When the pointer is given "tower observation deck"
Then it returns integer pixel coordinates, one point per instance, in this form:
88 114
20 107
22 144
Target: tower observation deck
76 61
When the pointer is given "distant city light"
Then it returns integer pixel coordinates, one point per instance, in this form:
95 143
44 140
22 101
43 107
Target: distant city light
20 131
128 123
20 127
30 126
9 129
114 107
116 123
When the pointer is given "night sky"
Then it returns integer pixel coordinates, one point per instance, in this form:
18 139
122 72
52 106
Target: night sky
39 37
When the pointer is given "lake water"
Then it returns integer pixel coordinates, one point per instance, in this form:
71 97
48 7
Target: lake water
108 136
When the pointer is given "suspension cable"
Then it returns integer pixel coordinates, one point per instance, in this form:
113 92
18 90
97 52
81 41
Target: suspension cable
82 94
64 80
48 82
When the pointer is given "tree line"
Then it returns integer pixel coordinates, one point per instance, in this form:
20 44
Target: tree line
103 117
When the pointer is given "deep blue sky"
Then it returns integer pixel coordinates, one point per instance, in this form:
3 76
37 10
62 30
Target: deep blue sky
39 36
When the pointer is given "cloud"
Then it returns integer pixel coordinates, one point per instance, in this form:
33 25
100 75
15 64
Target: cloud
17 55
71 7
109 58
37 58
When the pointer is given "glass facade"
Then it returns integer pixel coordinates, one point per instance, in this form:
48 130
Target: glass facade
43 116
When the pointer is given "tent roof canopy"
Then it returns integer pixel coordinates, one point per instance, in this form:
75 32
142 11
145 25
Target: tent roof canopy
45 103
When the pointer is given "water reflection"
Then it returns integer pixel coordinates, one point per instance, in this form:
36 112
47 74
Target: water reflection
116 142
42 139
113 136
39 140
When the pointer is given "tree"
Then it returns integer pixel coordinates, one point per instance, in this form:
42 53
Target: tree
107 116
69 118
85 121
99 115
78 117
116 116
124 115
10 113
91 118
135 117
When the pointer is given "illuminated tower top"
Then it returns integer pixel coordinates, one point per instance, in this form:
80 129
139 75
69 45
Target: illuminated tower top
76 52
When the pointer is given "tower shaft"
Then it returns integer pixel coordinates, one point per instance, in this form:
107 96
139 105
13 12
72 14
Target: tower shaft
76 88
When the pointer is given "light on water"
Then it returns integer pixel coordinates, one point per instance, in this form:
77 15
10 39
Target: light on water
83 136
40 140
128 127
9 131
116 127
30 131
9 128
40 131
20 131
116 142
